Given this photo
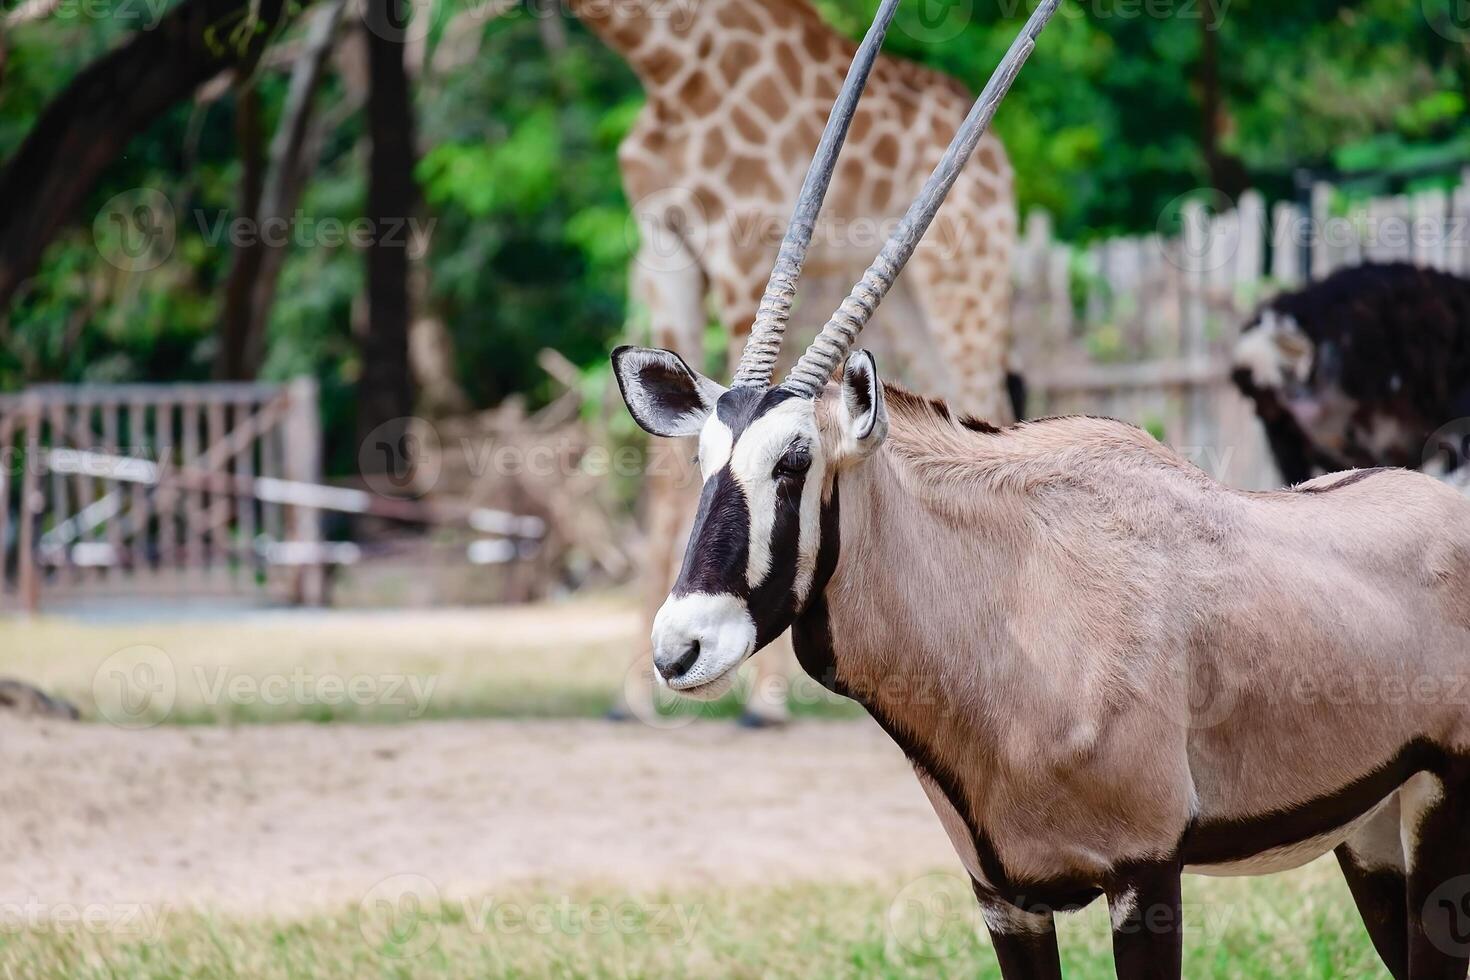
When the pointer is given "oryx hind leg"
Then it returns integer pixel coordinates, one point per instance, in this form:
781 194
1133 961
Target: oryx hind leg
1372 861
1435 823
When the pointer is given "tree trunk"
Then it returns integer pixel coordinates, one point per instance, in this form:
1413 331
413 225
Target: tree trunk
294 152
1227 172
112 100
385 390
229 361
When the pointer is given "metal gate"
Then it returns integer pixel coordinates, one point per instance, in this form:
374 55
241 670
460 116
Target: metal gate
159 490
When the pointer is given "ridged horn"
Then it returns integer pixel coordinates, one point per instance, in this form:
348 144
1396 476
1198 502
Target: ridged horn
838 336
758 360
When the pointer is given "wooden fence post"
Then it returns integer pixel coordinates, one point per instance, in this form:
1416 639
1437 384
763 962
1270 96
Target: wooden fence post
303 437
30 493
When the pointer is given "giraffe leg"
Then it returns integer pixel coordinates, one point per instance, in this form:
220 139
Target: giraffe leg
669 284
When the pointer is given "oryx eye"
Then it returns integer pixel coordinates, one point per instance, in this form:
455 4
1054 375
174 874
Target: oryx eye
793 463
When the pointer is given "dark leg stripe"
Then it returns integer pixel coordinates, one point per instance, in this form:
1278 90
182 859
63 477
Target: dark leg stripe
1225 841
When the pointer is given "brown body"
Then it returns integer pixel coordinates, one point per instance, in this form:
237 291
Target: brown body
1107 649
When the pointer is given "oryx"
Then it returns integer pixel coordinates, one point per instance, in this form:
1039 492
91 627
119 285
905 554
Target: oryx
1105 668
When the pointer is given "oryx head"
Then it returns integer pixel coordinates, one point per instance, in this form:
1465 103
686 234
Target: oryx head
768 455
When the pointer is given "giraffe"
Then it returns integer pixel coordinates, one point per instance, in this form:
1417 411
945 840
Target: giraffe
737 94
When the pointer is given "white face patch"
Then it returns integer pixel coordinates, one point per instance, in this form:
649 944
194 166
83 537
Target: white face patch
752 460
1275 352
715 442
722 628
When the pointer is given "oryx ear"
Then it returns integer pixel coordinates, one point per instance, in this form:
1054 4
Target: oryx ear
665 396
862 397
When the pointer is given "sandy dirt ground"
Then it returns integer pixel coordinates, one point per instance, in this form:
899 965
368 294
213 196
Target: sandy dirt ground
280 819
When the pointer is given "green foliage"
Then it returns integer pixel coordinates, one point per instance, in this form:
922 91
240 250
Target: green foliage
519 126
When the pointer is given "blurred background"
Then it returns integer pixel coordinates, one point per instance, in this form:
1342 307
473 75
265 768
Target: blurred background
321 510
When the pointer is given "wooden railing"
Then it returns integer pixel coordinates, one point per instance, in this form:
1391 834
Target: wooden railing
77 515
1141 328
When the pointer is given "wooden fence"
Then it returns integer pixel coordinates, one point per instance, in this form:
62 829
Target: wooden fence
1141 328
135 490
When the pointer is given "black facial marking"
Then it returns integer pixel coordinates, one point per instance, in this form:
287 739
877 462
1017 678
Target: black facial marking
739 407
719 550
718 556
772 603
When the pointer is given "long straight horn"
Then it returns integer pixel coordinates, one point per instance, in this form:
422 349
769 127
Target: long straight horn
759 357
837 337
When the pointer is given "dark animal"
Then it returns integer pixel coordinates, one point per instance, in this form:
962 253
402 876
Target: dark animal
1360 370
22 699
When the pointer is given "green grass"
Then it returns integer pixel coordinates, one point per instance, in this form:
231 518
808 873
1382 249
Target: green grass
1299 925
555 660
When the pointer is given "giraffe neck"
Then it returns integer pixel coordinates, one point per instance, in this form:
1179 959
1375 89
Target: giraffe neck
662 40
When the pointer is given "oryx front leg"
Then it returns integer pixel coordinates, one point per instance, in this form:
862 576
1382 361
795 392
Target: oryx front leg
1025 942
1148 923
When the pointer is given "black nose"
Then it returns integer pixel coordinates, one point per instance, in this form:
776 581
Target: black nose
673 671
